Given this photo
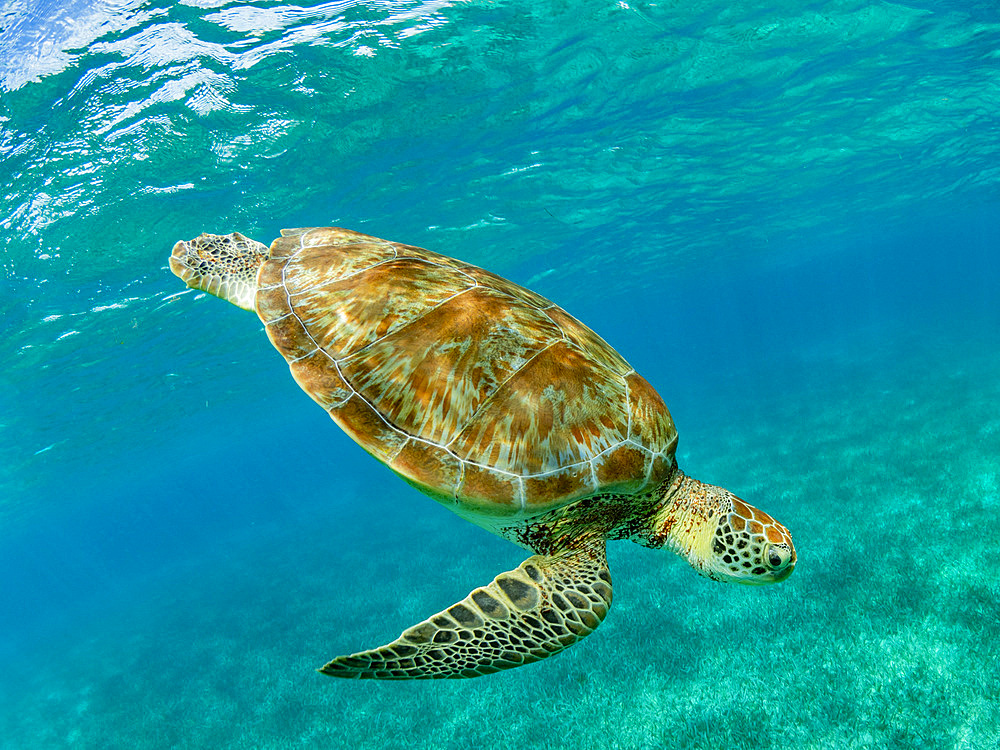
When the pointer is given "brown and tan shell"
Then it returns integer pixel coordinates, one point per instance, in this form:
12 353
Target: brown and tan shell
472 388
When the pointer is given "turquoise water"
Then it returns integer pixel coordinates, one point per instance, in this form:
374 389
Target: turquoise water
787 217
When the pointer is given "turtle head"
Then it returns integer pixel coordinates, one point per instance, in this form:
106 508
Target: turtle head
721 536
748 546
225 265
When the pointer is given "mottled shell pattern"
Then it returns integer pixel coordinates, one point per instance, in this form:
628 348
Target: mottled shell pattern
472 388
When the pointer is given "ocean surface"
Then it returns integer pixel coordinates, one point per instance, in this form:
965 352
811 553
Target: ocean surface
785 215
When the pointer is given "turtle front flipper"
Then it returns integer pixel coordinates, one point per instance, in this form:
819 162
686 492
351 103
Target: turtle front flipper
546 604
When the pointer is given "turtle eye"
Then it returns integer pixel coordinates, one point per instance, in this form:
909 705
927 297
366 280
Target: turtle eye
778 557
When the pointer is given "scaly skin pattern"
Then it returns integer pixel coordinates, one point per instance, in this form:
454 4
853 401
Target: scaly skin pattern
500 405
224 265
546 604
722 537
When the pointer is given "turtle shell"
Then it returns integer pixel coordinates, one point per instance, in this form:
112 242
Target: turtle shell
474 389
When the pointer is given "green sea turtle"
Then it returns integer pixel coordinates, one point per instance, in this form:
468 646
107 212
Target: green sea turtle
500 406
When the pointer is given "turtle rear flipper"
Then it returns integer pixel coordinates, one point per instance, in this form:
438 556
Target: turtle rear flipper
546 604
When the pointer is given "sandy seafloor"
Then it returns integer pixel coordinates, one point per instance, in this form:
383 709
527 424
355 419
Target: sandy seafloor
787 219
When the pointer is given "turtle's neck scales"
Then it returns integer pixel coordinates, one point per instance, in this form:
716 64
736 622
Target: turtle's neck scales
610 515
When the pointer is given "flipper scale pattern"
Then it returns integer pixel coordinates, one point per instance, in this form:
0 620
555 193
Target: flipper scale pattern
545 605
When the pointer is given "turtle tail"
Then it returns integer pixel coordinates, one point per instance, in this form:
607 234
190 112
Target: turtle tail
225 265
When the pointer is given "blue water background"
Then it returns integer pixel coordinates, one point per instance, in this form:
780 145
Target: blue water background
785 217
